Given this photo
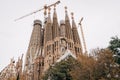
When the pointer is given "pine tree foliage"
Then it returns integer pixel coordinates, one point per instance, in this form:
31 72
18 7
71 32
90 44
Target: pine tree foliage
61 70
114 45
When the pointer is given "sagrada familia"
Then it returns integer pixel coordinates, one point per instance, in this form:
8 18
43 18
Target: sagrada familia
50 42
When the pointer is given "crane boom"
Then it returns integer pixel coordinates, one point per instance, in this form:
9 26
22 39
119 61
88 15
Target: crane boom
84 43
45 7
29 14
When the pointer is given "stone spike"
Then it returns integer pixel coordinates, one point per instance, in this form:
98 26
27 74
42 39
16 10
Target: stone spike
73 22
45 10
55 14
49 9
66 14
55 26
68 26
49 16
66 9
72 15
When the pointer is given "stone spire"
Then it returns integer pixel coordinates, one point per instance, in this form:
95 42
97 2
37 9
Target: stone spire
74 30
45 13
73 22
55 25
77 42
69 34
9 72
19 66
56 38
48 28
35 43
48 42
68 26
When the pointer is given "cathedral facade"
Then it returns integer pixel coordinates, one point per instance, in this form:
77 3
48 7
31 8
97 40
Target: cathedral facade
48 43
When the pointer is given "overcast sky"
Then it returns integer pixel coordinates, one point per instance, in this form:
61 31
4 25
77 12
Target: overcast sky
101 22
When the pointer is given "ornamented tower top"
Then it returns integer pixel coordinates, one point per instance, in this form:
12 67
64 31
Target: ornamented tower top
55 25
68 26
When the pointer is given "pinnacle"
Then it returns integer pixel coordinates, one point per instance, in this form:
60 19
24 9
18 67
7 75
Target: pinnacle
66 14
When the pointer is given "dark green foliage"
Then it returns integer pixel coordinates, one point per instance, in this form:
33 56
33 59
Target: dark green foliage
61 71
114 45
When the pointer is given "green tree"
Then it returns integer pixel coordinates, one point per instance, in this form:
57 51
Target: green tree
61 70
114 45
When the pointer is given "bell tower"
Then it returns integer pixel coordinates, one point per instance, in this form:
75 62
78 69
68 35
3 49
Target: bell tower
76 39
69 34
48 42
56 36
33 48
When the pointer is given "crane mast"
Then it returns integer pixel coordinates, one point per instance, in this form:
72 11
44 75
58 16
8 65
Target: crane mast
83 38
45 7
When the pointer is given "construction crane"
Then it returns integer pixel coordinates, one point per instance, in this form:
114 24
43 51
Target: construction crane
45 7
84 43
